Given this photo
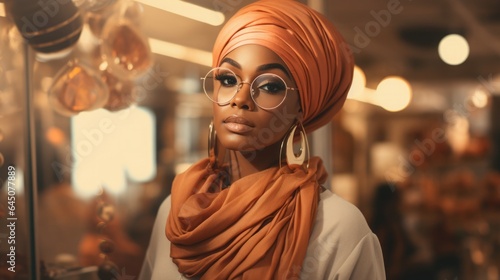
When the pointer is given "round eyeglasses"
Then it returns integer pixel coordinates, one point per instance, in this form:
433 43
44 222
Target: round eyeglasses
267 90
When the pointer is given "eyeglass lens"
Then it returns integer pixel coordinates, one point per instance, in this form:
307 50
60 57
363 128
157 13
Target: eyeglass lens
267 90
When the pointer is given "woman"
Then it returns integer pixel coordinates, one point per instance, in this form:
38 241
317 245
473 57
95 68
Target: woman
255 208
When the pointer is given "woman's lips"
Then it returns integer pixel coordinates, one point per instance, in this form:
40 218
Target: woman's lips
238 124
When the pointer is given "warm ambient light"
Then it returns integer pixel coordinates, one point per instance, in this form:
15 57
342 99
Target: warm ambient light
55 136
393 94
111 149
358 83
188 10
2 10
479 98
181 52
358 90
453 49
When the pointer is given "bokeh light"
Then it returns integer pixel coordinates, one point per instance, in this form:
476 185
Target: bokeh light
393 94
453 49
358 83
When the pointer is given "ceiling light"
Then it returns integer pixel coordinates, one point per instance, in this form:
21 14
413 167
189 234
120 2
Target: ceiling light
366 95
2 10
181 52
393 94
479 98
358 83
188 10
358 90
453 49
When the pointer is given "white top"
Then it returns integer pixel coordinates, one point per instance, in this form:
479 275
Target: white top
342 246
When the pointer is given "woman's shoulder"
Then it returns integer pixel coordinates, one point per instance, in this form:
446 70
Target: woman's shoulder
336 213
165 205
157 262
341 238
339 226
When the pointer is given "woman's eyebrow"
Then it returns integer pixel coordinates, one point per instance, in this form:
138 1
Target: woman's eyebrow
274 66
230 61
260 68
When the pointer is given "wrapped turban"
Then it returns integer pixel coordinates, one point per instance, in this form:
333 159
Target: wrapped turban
313 50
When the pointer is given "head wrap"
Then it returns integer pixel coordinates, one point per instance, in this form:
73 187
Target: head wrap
315 53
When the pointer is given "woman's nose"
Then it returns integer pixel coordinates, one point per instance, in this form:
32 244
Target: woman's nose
243 98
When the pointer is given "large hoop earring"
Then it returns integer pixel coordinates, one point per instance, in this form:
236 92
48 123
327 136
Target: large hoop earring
296 160
212 144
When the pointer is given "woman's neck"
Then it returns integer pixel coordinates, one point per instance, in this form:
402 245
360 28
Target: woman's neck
243 164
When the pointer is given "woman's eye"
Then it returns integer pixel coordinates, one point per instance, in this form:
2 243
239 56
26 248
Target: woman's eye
272 87
226 80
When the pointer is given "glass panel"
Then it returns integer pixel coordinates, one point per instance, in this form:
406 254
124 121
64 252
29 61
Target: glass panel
86 183
15 171
97 175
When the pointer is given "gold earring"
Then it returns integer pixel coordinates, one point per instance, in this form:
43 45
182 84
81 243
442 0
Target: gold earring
212 144
293 160
216 153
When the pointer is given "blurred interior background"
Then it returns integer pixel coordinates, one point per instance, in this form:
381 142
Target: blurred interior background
101 105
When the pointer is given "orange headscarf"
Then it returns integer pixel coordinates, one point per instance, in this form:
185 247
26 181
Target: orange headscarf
259 227
316 54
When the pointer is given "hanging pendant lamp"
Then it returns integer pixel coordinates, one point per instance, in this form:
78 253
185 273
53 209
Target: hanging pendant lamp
48 25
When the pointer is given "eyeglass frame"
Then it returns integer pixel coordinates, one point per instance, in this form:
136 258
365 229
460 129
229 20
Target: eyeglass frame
240 85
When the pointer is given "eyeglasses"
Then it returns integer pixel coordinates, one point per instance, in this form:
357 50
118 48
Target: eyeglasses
267 90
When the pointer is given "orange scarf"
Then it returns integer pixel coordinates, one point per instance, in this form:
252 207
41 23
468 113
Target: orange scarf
258 228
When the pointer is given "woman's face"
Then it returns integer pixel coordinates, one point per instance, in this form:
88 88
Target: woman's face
242 125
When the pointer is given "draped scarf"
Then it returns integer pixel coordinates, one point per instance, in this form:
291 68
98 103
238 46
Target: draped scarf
257 228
